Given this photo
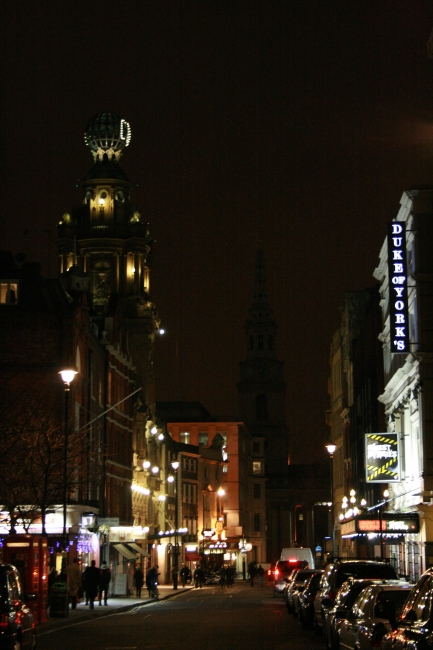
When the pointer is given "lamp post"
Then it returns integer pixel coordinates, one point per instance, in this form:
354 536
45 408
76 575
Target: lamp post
175 466
67 376
331 450
386 495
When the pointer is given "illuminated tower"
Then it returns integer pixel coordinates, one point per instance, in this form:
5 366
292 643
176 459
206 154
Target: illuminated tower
104 249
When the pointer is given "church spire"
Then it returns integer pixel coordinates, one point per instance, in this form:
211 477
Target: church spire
260 326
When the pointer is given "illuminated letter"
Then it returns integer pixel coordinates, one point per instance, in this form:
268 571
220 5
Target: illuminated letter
397 228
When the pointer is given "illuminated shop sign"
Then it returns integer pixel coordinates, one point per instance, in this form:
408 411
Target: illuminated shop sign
391 523
398 312
381 458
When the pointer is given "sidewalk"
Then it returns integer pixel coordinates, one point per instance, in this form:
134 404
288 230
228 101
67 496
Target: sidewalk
115 604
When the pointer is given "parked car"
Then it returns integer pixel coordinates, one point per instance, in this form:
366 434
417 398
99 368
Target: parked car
16 619
304 604
296 585
344 600
373 615
283 569
338 572
270 572
414 627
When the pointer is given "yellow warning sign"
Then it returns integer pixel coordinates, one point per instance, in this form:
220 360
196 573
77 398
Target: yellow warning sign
382 457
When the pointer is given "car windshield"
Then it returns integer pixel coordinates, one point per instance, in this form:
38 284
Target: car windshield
361 571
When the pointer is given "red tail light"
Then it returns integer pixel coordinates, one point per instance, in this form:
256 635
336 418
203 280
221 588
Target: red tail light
4 622
276 573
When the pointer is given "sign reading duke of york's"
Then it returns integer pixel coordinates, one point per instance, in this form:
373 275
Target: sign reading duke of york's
381 462
398 311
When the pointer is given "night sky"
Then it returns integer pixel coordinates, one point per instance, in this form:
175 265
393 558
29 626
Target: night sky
299 123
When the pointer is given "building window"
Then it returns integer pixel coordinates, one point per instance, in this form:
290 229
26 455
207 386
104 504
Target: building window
225 469
256 447
251 345
257 522
257 467
261 408
257 490
9 292
203 439
185 437
261 342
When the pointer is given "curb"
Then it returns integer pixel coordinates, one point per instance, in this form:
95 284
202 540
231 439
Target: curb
54 624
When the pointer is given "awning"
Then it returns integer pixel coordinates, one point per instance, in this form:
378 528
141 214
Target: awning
138 549
124 550
192 557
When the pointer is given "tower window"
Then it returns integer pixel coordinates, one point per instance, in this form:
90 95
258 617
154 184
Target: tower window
9 292
261 343
257 490
271 342
261 408
251 343
257 522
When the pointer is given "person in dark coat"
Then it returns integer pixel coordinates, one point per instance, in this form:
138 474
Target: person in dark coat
104 582
92 582
139 580
184 573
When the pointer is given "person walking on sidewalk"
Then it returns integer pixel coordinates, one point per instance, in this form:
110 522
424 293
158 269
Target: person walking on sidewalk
184 572
92 581
104 582
74 581
138 579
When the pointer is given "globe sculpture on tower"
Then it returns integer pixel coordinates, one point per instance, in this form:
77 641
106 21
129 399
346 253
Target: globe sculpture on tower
107 134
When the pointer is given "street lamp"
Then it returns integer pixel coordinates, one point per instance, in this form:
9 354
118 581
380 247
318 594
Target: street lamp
67 376
331 450
221 492
385 495
175 466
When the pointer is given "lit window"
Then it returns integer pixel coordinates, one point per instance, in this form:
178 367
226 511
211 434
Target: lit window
184 437
257 467
225 469
9 292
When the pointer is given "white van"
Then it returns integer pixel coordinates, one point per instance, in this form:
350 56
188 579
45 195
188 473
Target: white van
297 555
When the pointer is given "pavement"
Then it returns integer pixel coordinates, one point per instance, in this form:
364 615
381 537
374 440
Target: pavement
115 604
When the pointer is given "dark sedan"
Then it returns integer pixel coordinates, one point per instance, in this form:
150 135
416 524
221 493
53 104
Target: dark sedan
414 630
16 619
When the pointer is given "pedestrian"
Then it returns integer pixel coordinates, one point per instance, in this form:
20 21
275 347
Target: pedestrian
139 580
260 574
184 574
196 576
252 572
152 579
74 581
104 582
52 578
84 579
223 576
92 579
230 571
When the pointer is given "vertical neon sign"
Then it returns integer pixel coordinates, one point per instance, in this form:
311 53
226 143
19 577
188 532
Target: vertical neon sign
398 311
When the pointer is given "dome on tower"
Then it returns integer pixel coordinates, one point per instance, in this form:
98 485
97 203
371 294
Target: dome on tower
107 132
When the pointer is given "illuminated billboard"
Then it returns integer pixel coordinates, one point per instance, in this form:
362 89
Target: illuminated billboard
398 311
381 458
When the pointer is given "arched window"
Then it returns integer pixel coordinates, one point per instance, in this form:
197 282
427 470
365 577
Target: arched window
251 342
261 342
261 408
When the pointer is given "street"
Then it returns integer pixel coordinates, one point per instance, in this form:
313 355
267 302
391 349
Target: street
208 619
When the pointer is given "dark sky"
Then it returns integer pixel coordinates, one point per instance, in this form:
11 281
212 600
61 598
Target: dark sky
300 122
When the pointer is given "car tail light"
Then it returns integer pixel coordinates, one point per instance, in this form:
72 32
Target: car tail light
4 622
276 573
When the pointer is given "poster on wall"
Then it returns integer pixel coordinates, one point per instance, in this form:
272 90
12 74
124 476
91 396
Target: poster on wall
381 458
